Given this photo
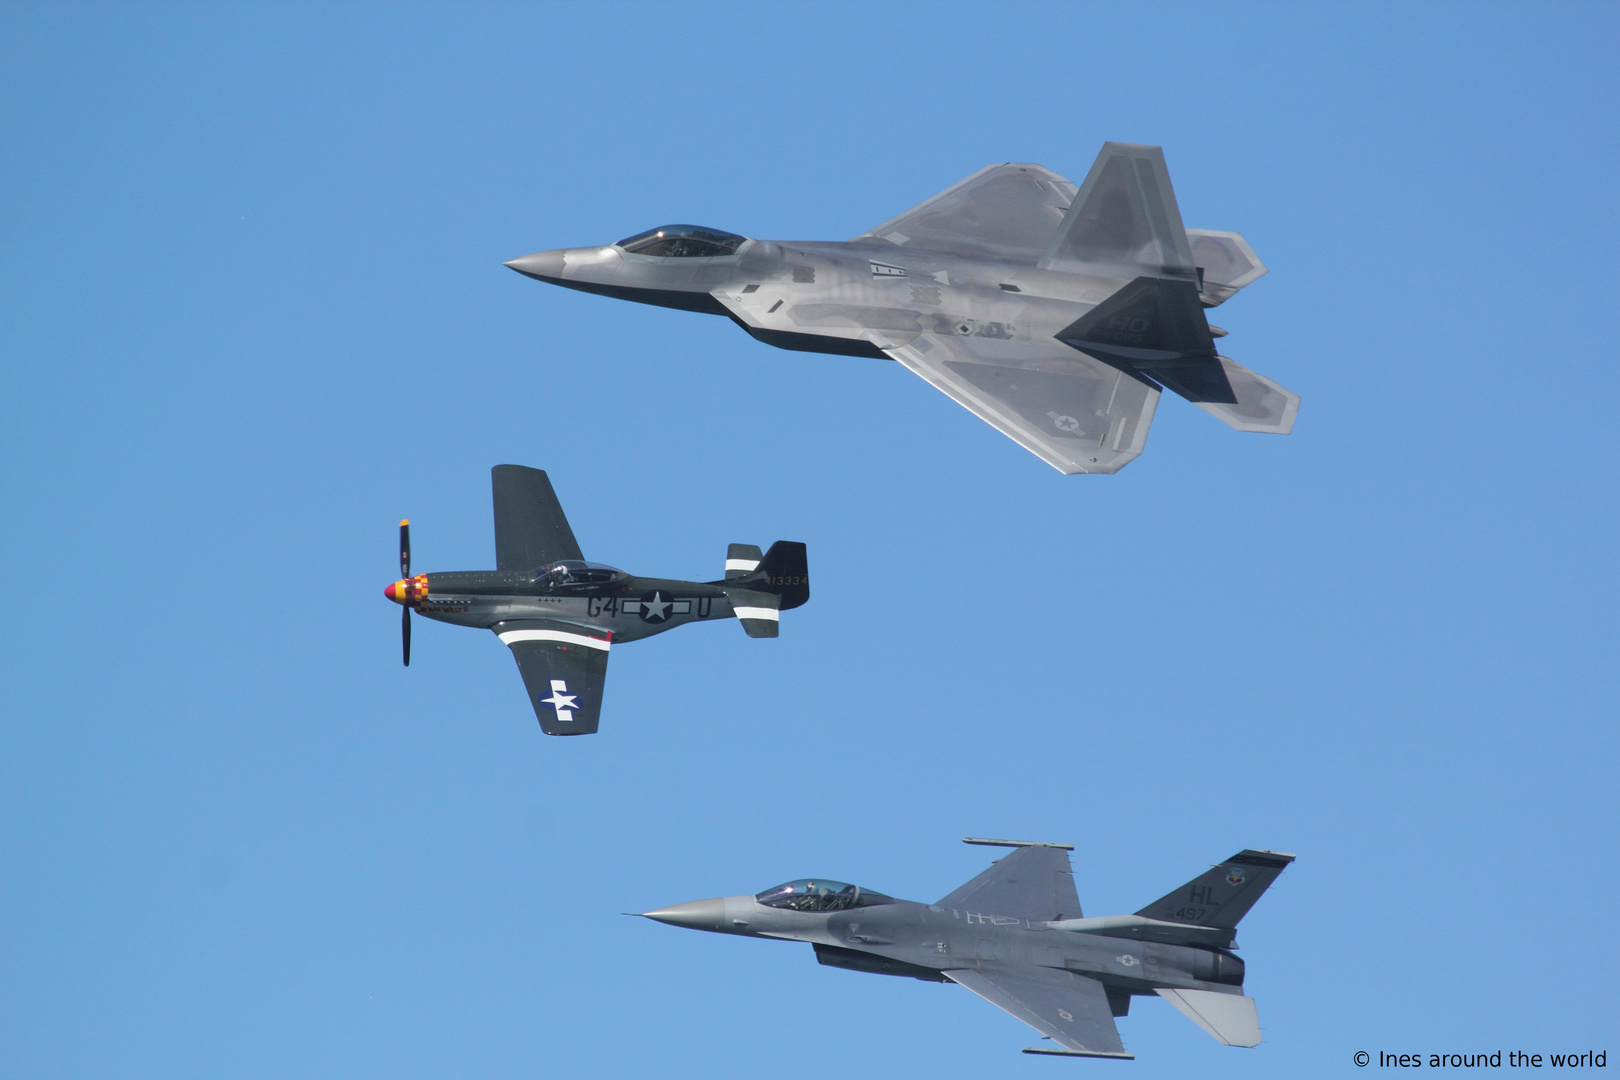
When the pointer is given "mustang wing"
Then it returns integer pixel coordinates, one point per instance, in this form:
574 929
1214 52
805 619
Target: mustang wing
1076 413
1007 212
1071 1010
563 666
530 529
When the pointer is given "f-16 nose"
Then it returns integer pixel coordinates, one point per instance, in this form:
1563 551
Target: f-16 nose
695 915
541 264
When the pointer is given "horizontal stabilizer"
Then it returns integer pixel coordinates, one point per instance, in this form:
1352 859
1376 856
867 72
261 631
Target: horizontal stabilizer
1225 263
1230 1018
758 612
742 560
1256 404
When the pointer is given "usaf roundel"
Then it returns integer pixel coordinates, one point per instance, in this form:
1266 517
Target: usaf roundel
1235 876
656 606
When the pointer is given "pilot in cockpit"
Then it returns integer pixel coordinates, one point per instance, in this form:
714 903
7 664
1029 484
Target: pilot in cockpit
683 242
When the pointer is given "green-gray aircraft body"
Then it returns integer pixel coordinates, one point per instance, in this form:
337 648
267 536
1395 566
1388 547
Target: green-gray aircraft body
561 615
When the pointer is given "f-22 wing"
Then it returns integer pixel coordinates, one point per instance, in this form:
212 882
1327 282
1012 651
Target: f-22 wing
564 666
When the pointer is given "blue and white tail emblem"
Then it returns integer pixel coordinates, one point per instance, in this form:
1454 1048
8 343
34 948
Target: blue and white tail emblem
1235 877
562 701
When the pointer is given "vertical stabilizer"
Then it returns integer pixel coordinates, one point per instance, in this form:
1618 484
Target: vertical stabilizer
1126 216
1222 895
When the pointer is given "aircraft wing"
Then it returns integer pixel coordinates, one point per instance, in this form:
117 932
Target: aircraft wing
1071 1010
1007 212
564 666
1076 413
1035 882
530 529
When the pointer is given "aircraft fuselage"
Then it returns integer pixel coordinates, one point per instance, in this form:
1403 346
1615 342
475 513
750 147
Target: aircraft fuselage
921 940
821 296
628 609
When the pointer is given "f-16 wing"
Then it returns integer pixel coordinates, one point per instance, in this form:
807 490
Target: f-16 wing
1035 882
1006 212
564 666
1071 1010
1073 412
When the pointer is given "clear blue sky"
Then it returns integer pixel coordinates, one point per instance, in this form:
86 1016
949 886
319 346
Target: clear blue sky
254 312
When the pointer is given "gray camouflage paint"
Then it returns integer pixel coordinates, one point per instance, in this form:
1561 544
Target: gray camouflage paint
979 289
1015 935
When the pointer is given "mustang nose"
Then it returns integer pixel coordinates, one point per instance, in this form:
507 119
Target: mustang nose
696 915
542 264
407 591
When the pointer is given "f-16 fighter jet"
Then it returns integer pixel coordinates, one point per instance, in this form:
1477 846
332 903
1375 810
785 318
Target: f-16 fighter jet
1054 314
1015 936
560 614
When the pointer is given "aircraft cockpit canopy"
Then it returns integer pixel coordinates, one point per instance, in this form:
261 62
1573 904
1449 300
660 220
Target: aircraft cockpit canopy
577 572
820 894
683 242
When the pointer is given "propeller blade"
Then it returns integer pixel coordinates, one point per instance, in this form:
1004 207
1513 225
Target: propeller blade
405 632
405 548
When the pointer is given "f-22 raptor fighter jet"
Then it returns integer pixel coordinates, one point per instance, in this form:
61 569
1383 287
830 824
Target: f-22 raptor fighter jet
1015 936
1053 313
560 614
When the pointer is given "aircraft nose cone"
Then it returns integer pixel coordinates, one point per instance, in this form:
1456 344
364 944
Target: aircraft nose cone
395 592
542 264
695 915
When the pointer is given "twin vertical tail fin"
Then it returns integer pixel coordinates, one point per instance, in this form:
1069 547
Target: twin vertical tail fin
1125 223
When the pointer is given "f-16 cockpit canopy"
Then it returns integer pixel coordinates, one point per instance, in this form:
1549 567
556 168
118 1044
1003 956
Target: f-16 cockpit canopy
577 572
683 242
819 894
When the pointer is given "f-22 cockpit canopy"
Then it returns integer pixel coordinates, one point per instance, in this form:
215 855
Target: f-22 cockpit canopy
576 572
819 894
683 242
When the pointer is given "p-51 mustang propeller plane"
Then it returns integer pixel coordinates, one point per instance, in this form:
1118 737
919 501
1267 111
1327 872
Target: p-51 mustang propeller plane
1016 937
560 615
1054 313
